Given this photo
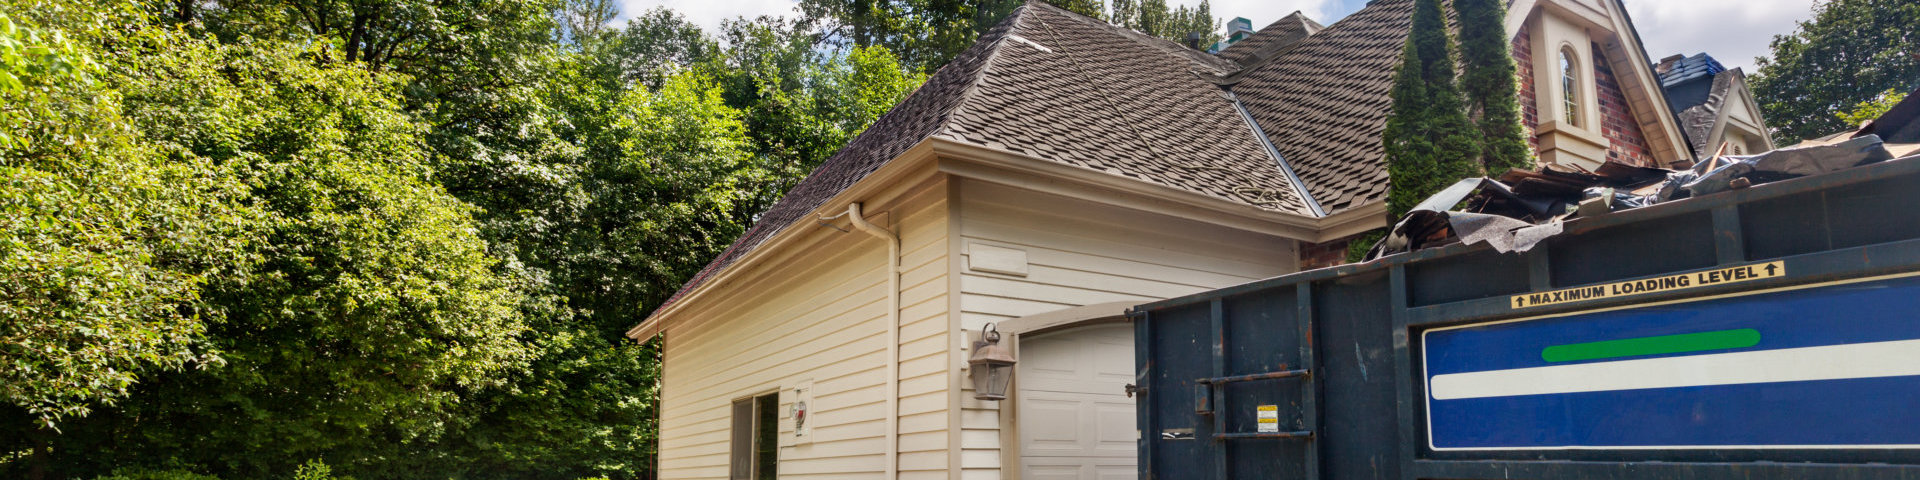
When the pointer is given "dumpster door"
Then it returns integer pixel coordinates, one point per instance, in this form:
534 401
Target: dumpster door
1233 380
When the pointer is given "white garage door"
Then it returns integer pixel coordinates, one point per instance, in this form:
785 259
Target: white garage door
1076 421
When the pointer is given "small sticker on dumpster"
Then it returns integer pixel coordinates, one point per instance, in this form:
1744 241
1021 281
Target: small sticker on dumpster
1269 418
1704 278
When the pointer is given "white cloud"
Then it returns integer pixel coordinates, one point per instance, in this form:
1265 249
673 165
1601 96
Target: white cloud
1732 31
708 13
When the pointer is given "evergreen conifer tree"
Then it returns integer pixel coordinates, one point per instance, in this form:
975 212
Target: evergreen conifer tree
1429 141
1488 81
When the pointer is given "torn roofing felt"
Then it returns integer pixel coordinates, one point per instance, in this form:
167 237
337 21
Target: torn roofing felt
1057 86
1521 209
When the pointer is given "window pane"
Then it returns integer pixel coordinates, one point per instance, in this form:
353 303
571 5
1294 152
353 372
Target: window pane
741 458
766 437
1568 94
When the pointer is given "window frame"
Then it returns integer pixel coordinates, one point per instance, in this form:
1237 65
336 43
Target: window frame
1570 86
753 451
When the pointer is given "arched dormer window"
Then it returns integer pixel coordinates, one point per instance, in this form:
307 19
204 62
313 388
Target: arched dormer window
1569 88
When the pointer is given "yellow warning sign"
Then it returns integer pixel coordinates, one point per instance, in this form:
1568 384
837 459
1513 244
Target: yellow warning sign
1268 418
1718 276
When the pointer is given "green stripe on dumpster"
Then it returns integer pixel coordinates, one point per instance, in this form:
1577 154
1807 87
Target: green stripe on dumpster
1664 344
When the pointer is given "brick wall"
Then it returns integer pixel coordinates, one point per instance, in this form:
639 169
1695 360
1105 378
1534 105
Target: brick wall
1625 143
1323 255
1529 109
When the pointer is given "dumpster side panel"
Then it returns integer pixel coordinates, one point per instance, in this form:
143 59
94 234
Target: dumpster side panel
1355 354
1181 352
1262 336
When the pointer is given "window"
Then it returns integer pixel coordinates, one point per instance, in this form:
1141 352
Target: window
1569 88
756 446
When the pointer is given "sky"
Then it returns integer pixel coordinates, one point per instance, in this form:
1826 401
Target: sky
1732 31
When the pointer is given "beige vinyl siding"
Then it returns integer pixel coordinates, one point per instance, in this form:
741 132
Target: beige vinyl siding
1082 253
820 314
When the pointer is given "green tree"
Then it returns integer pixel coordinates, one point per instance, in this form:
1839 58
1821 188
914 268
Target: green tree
1429 141
374 305
1488 81
586 19
1849 53
657 44
103 243
1868 110
1092 8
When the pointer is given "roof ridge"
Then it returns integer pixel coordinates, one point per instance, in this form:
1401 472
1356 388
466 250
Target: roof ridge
1004 31
1105 97
1165 46
1309 27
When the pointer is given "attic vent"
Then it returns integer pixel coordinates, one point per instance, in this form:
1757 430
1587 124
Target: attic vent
1031 43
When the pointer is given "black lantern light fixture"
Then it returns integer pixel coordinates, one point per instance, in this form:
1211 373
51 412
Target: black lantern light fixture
991 365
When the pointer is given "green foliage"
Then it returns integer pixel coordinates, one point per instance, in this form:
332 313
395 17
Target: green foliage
1155 17
1359 245
1868 110
925 34
373 304
1428 139
103 244
1092 8
316 470
1488 81
129 474
400 237
1851 52
656 44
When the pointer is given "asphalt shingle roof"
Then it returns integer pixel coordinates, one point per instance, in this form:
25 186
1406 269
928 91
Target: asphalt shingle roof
1324 100
1077 91
1271 39
1061 87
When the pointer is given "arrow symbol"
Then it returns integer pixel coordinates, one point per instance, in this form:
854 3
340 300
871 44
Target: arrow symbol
1770 269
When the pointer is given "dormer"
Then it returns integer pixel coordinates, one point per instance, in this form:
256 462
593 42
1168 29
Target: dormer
1587 90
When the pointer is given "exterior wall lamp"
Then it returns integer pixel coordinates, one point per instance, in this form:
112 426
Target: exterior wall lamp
991 365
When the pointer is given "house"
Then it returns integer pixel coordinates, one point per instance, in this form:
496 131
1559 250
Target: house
1716 110
1054 173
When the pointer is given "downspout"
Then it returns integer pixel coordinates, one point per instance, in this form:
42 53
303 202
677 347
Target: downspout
893 334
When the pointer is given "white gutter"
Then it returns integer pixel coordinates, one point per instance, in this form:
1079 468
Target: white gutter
893 334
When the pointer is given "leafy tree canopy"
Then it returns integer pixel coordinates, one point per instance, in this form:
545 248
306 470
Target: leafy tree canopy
1851 52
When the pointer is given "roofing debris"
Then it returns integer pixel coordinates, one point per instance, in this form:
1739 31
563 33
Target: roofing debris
1522 208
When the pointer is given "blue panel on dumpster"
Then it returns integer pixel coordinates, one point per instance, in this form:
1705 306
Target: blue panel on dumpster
1834 366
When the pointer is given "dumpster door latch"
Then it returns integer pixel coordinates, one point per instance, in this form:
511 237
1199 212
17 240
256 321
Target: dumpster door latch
1132 389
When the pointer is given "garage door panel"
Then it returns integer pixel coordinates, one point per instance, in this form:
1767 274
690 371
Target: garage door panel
1052 472
1115 423
1076 421
1116 472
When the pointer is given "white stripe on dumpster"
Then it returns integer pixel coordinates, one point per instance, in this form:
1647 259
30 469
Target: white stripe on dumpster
1832 362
